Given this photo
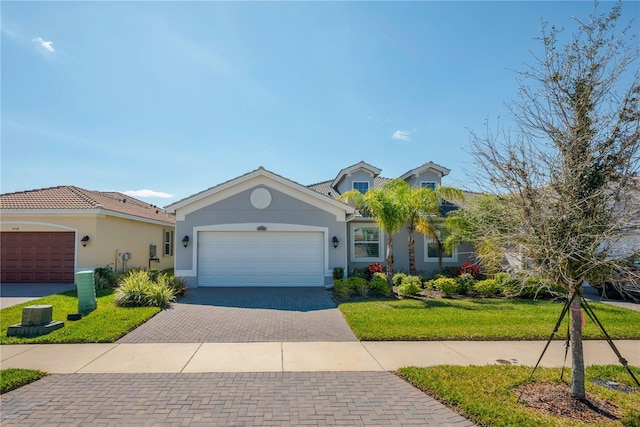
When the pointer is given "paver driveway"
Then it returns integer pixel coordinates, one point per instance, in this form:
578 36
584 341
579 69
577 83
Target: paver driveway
247 315
225 399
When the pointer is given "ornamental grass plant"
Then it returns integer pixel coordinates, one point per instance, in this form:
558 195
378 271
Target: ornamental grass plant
138 289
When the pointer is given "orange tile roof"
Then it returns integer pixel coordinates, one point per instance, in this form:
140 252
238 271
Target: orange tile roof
69 197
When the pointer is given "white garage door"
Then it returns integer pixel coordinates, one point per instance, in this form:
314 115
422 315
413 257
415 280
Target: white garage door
260 259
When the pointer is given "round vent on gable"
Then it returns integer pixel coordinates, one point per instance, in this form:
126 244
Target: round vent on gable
260 198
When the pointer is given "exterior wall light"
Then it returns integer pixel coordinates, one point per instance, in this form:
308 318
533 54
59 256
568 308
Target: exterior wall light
185 241
84 241
335 241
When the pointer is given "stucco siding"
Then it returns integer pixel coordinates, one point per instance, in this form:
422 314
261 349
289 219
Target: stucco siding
464 253
237 213
118 236
346 183
427 176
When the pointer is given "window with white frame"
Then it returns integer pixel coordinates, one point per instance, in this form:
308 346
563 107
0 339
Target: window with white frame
167 243
431 249
366 243
361 186
428 184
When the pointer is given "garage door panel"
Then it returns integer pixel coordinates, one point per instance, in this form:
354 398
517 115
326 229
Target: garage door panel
39 257
261 259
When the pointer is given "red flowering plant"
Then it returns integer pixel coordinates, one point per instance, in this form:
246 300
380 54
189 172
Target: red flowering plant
375 267
469 268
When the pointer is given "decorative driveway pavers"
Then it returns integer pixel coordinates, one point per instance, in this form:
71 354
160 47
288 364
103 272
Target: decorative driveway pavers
225 399
226 315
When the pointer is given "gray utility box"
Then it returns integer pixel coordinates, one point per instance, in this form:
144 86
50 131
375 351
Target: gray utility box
37 315
36 321
86 291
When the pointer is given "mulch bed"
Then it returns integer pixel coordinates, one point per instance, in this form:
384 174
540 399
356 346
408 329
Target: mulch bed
556 400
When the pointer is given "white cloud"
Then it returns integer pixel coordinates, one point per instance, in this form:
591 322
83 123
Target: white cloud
148 193
402 135
48 46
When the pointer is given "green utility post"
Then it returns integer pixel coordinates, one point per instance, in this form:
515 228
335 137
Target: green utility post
86 291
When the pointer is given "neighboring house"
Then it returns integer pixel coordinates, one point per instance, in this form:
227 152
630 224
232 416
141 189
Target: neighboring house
49 234
261 229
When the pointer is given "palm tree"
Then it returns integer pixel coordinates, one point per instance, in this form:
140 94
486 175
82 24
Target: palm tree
388 207
424 216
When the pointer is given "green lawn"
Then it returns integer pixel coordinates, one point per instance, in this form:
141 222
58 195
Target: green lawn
11 379
485 394
105 324
477 319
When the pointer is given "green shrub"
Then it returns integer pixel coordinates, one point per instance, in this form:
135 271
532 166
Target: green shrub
138 290
158 295
423 277
379 286
379 276
342 288
397 278
417 280
522 287
359 286
465 283
177 285
338 273
509 285
104 278
446 285
487 287
450 271
359 272
409 288
153 274
557 290
132 290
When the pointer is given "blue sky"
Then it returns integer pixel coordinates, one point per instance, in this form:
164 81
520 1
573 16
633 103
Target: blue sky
178 97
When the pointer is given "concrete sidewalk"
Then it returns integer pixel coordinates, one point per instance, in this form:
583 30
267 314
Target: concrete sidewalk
296 356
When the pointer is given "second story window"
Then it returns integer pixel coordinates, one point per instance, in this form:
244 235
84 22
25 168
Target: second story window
428 184
361 186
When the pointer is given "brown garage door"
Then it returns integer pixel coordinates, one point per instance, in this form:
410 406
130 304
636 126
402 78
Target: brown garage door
37 257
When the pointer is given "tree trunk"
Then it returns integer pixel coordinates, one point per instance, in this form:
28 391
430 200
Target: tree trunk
412 253
389 260
577 354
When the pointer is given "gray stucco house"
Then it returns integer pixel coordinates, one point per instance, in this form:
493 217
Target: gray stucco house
261 229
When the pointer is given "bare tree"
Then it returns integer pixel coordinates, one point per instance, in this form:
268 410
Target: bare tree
565 179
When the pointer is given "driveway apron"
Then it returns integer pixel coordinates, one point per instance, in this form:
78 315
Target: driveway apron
248 314
16 293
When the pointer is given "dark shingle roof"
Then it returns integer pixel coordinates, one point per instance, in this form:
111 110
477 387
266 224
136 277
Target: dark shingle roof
325 188
68 197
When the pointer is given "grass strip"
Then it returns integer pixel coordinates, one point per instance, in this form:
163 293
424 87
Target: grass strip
485 394
11 379
105 324
477 319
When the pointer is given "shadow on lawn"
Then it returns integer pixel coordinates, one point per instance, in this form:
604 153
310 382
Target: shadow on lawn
472 304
